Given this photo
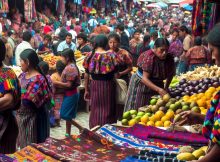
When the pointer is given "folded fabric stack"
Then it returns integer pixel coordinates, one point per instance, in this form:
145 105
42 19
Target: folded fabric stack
174 138
119 137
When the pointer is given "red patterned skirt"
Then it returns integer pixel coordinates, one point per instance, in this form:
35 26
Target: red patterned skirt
103 103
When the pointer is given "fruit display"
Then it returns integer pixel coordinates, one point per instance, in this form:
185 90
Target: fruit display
16 69
203 100
174 82
51 60
158 113
193 87
201 72
187 153
79 63
77 54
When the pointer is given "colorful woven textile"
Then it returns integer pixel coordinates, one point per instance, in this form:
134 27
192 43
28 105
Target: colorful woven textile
121 138
31 154
86 147
211 124
5 158
163 136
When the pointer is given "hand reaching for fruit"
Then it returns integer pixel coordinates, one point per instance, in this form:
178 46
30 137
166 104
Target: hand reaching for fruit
190 117
162 92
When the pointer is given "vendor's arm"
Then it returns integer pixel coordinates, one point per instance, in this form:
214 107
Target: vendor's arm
168 81
212 156
6 102
151 85
43 52
190 118
66 85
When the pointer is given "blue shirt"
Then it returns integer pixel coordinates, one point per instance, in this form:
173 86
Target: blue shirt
63 45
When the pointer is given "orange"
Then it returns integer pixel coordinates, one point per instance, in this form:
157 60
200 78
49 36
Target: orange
160 113
159 124
144 119
167 123
150 123
212 89
165 118
152 118
201 103
200 95
141 123
170 114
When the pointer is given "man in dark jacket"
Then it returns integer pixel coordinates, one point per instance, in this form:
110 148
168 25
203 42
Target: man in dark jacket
124 37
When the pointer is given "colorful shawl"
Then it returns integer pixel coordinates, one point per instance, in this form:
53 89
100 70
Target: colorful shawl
158 135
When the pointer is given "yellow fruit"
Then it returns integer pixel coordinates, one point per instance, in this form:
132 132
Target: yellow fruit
152 118
204 111
132 122
166 98
200 95
144 119
141 123
170 114
185 98
204 148
160 113
200 157
211 89
159 124
198 153
150 123
165 118
201 103
167 123
186 157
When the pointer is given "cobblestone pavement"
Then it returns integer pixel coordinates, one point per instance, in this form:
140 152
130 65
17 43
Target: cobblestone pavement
59 132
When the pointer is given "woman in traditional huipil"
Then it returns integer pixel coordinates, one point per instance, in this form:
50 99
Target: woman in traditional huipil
36 100
154 66
101 66
10 96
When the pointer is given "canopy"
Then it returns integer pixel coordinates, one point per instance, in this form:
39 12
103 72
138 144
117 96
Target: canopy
186 2
153 5
187 7
162 4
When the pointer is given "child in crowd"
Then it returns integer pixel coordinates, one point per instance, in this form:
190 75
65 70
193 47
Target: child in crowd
58 92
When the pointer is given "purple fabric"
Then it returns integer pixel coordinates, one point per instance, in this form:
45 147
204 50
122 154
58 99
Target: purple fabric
158 135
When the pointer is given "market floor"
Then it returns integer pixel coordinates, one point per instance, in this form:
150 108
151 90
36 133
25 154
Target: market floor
59 132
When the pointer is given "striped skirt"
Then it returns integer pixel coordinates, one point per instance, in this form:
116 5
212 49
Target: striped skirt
138 94
103 103
9 137
33 125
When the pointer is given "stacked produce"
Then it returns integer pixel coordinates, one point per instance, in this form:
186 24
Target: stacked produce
159 113
77 54
51 60
174 82
187 153
201 72
193 87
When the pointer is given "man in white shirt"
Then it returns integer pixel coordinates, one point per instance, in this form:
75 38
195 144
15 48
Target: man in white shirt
25 44
73 32
67 44
92 23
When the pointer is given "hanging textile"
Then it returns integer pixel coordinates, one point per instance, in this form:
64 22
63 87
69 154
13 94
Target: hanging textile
4 6
29 10
61 7
202 16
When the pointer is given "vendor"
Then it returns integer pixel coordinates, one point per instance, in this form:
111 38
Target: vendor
211 120
83 43
154 66
44 46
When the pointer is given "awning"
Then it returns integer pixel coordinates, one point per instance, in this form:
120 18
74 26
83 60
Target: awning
186 2
153 5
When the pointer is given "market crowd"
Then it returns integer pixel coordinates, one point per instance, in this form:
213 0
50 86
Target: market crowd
158 44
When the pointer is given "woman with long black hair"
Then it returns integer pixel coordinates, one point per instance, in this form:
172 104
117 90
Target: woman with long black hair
101 65
36 97
70 81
